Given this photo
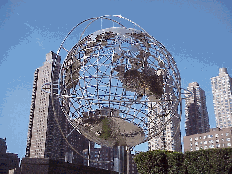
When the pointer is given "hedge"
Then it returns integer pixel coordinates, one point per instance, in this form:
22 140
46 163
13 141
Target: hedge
211 161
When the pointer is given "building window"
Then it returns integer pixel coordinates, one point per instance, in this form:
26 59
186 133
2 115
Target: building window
218 145
228 139
205 137
205 142
196 138
217 141
216 135
211 146
228 144
197 148
227 133
196 143
191 139
205 147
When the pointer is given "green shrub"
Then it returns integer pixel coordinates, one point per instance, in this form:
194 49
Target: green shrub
211 161
159 161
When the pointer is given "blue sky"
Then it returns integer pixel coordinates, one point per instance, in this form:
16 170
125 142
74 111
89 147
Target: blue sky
198 33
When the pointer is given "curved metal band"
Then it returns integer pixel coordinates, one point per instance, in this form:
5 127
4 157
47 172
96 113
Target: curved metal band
94 19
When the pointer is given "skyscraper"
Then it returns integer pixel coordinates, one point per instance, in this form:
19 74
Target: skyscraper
196 115
167 124
44 138
222 98
170 137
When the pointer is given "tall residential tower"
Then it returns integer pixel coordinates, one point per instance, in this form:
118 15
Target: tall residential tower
222 98
44 138
165 121
196 115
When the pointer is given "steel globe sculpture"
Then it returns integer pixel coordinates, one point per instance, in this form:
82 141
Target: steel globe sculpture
113 80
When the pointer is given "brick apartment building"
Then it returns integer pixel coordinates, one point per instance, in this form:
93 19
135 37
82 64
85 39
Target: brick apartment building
215 138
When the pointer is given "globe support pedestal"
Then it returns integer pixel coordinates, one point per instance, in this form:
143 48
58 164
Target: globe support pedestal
121 161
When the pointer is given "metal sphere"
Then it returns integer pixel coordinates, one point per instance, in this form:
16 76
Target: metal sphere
113 82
